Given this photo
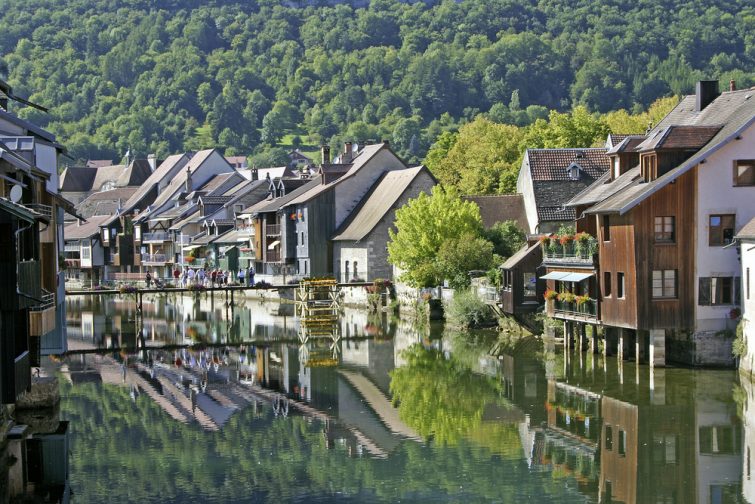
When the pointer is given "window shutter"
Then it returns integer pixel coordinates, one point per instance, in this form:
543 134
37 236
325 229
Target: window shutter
704 292
738 291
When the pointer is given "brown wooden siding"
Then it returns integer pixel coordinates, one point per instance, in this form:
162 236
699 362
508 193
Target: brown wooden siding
618 255
677 200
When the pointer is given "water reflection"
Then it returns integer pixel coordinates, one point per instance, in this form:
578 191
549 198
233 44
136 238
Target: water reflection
220 403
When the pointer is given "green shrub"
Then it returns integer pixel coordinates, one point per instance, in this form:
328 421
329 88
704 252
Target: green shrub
468 310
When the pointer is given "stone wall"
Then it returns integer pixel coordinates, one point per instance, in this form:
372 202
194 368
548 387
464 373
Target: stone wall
701 348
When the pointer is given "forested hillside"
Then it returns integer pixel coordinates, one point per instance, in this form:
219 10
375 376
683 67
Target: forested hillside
166 75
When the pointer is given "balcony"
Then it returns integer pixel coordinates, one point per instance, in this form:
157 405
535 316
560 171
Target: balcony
273 256
584 310
578 250
73 247
152 259
157 237
273 230
42 321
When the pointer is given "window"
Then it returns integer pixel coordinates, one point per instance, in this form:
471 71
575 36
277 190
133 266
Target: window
720 440
718 291
607 284
306 268
356 271
302 238
609 438
744 172
346 271
665 229
649 167
622 443
606 228
530 283
664 283
85 252
720 230
105 234
619 285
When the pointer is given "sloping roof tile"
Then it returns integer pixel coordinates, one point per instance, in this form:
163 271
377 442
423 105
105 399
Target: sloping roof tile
553 164
501 208
748 230
377 203
86 230
679 137
77 179
734 111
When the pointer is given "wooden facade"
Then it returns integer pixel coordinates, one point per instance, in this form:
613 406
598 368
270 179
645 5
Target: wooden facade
513 298
631 249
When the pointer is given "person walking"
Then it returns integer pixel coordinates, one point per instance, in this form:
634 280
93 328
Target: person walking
214 276
201 277
176 275
240 276
185 276
190 276
148 279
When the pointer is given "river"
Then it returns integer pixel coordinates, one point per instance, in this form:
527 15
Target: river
215 404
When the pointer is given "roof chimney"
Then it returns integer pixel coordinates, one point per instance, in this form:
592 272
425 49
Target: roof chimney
325 154
188 185
152 160
732 85
705 93
255 173
347 153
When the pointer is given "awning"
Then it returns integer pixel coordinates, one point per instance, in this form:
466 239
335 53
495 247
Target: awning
273 245
554 275
223 250
565 276
192 247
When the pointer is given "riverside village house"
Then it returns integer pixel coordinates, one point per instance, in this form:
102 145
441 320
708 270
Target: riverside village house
200 211
653 262
32 304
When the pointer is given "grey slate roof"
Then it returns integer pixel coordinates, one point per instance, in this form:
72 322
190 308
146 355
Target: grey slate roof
679 137
273 205
377 203
500 208
552 164
520 254
733 110
153 181
603 188
747 231
86 230
178 181
77 179
104 202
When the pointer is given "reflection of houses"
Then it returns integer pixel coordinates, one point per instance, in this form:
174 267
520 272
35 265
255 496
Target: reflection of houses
522 290
84 254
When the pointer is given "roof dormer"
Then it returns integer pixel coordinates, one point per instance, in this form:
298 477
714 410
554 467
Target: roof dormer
574 171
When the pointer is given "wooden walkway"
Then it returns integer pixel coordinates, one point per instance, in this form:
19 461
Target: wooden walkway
187 290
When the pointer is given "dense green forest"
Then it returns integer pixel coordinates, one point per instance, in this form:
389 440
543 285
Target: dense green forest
167 75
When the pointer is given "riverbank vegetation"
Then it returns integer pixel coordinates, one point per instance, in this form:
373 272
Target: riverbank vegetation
263 76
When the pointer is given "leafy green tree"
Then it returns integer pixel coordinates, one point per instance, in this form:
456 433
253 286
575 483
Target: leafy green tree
482 160
458 256
506 238
578 128
422 226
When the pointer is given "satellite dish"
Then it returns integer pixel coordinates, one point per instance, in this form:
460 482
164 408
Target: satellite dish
15 193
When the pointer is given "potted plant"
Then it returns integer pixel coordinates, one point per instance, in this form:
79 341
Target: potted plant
567 297
583 302
550 295
567 243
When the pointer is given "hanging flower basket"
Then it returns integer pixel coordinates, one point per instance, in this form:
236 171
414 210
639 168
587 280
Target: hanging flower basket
550 295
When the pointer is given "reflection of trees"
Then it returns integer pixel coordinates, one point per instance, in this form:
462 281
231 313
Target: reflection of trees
132 451
443 399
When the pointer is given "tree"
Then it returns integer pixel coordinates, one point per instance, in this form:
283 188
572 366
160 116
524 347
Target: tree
480 159
506 238
458 256
578 128
422 226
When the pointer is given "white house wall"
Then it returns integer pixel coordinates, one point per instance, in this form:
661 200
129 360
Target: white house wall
46 159
747 361
717 195
350 191
526 189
